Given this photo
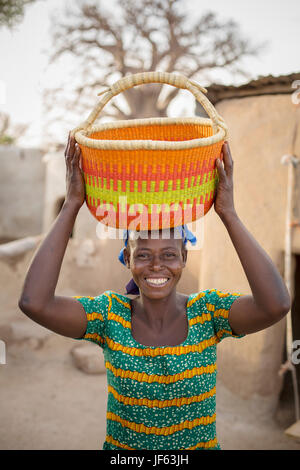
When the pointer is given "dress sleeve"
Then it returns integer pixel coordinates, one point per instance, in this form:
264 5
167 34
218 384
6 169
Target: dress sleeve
219 304
96 312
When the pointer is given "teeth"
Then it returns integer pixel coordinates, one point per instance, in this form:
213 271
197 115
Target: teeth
157 281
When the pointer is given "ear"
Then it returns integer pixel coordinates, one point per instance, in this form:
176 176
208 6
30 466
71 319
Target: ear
126 255
184 255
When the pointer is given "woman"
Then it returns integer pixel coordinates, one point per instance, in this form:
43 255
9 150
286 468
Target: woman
159 348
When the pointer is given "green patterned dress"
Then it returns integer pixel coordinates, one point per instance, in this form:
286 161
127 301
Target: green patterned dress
160 397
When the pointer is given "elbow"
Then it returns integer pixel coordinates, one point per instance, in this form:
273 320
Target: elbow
282 310
286 305
286 308
29 308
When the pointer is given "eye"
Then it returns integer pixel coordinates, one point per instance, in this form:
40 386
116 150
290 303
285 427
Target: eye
170 255
142 255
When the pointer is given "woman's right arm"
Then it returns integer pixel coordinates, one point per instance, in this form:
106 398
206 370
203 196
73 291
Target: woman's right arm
63 315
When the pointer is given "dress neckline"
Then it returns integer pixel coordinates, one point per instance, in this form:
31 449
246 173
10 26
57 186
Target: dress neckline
143 346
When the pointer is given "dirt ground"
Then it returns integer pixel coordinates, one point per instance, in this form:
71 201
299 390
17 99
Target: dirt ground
47 403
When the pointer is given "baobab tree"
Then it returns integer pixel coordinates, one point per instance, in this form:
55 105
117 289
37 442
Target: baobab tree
141 36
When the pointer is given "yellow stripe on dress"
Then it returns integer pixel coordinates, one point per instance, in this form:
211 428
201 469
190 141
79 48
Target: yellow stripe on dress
125 304
161 403
192 301
94 316
94 336
119 319
220 333
163 379
205 445
162 351
210 307
200 319
83 297
111 440
221 312
109 302
166 430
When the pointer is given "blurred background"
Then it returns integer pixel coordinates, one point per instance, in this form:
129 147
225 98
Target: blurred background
55 57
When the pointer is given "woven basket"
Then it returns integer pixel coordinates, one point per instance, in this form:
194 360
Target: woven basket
151 173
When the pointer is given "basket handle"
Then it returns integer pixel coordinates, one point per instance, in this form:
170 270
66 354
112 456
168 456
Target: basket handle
174 79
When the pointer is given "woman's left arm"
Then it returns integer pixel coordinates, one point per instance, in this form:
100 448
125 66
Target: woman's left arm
270 300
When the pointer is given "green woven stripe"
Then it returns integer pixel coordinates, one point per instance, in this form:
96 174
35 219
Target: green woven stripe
193 180
165 197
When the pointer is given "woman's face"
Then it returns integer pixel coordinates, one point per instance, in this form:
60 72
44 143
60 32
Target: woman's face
156 264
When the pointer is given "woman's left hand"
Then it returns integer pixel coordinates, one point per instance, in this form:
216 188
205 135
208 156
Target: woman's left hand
224 204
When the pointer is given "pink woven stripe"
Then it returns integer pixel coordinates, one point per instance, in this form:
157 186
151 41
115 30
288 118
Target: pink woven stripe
137 172
92 179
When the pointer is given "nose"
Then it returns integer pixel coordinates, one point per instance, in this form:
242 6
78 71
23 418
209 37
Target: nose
156 262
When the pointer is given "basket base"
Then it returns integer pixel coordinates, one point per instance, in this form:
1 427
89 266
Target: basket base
142 220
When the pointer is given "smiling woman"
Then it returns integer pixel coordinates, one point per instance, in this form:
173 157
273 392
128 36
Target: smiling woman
156 263
159 347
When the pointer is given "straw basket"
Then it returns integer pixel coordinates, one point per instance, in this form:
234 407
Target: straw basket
151 173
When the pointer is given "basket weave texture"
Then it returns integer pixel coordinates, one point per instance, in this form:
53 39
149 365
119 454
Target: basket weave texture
151 173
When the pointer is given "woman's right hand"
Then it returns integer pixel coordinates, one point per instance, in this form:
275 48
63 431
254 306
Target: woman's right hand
75 188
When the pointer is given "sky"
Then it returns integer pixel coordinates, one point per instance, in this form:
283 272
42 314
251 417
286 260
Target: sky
24 51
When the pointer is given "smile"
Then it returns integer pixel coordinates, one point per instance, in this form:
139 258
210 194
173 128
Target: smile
157 282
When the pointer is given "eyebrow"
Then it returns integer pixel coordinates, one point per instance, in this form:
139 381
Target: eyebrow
165 248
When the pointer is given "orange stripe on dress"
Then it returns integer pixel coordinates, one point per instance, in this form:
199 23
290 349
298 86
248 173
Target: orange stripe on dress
221 312
163 379
111 440
200 319
165 430
162 351
94 316
221 333
205 445
94 336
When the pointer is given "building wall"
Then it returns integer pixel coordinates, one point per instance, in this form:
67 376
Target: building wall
260 132
22 180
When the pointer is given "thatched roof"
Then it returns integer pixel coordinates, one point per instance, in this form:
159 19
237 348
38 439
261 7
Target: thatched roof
262 86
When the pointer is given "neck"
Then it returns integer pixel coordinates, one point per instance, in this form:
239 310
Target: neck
157 312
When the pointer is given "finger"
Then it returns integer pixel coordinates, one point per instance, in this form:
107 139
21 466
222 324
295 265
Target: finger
67 146
220 168
72 146
228 161
76 158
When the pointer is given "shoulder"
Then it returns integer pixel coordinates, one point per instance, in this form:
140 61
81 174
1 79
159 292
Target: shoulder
210 299
97 303
117 302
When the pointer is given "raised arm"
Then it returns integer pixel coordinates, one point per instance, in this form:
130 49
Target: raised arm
270 299
38 301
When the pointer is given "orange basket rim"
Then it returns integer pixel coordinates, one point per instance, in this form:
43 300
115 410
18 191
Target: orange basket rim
83 136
